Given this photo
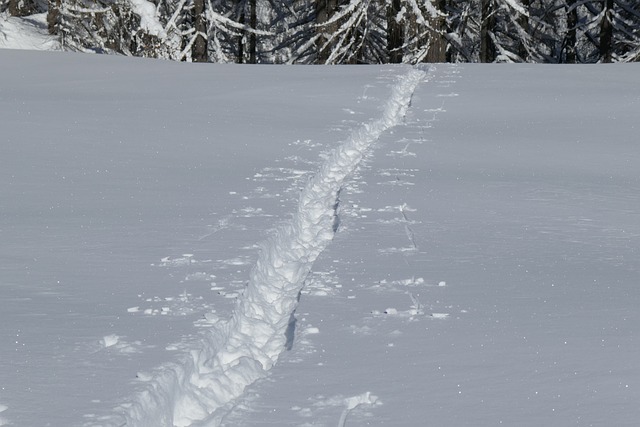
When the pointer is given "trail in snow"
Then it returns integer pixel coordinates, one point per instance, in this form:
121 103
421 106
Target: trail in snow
248 345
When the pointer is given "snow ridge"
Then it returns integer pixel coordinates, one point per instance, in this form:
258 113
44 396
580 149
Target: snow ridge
240 352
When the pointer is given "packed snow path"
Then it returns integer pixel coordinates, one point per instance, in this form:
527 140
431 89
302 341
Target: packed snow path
240 352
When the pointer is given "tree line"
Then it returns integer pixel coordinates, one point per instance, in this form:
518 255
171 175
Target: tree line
346 31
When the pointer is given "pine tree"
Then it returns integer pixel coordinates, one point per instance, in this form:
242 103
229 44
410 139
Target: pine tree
570 42
487 29
438 30
395 36
348 31
606 32
22 7
625 24
53 16
199 51
425 30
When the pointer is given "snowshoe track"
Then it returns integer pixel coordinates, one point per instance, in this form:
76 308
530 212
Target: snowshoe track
240 352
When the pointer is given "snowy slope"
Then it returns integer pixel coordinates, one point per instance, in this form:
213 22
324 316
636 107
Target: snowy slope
28 33
484 267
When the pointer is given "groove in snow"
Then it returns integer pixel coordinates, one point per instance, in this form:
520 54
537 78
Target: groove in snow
241 351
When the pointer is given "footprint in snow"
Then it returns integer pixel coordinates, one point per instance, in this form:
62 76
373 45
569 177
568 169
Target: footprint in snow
398 182
305 143
410 314
412 281
416 310
181 261
399 177
250 212
117 343
403 152
223 224
199 276
397 250
181 305
111 344
245 260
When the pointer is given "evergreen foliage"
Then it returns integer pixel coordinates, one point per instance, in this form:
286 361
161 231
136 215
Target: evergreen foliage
348 31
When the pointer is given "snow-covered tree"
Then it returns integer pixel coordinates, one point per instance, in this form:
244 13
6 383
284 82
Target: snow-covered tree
354 33
22 7
183 30
424 30
370 31
613 29
130 27
505 31
199 51
600 31
348 31
627 31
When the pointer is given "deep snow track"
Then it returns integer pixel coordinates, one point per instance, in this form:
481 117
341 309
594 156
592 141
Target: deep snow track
249 344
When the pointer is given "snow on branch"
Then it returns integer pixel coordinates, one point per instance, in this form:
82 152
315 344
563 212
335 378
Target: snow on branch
148 18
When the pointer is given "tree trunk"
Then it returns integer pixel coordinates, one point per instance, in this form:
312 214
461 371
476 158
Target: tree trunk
487 48
570 39
606 33
53 16
253 23
22 7
241 20
394 33
438 42
324 11
199 48
523 21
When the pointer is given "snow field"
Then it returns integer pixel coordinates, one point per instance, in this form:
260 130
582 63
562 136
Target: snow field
484 270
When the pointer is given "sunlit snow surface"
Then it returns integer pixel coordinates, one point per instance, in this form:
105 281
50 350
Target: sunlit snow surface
484 268
29 32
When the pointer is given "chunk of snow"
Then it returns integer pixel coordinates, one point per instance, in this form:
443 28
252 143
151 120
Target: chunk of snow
110 340
439 315
148 19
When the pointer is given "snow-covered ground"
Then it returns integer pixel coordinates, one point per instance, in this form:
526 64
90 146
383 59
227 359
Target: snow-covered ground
157 221
28 33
